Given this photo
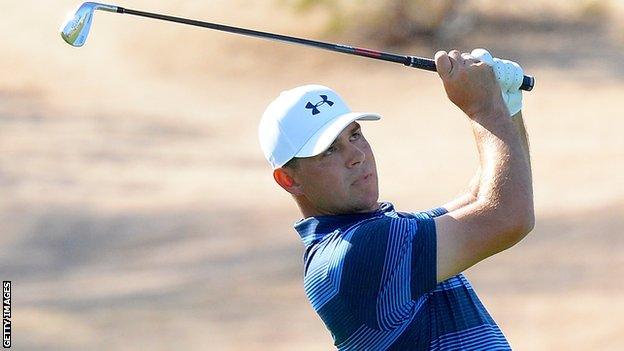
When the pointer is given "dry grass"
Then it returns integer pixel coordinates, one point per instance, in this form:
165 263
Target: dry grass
136 209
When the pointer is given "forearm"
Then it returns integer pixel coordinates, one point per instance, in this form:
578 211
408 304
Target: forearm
473 186
505 183
519 124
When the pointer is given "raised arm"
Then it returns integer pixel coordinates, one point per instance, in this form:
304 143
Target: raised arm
470 194
501 212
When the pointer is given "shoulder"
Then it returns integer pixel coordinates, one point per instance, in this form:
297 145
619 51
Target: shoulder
424 215
376 242
395 225
379 229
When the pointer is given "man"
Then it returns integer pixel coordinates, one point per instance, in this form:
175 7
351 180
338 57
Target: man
387 280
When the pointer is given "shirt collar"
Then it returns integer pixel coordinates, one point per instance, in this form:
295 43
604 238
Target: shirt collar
315 228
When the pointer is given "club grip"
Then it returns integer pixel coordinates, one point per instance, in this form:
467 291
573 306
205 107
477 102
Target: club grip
528 82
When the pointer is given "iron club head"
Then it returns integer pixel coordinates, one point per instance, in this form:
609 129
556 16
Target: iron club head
77 24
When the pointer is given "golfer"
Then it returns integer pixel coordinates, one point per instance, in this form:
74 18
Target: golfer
381 279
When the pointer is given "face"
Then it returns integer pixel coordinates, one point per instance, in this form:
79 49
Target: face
341 179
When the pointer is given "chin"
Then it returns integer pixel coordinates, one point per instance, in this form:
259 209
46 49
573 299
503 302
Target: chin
368 204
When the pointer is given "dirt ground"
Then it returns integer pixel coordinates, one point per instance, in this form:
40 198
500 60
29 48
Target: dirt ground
137 210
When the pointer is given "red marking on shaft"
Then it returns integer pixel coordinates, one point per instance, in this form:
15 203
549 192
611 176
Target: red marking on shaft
368 52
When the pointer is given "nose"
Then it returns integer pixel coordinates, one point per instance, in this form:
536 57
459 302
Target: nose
356 156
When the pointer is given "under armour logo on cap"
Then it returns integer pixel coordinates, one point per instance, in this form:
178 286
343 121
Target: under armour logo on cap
303 122
315 107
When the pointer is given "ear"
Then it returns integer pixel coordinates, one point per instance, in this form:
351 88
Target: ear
286 181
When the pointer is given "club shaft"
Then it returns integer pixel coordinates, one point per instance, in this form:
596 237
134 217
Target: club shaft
411 61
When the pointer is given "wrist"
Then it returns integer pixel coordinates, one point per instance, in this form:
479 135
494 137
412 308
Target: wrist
492 112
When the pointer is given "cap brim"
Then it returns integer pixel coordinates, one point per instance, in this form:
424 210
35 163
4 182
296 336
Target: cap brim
325 136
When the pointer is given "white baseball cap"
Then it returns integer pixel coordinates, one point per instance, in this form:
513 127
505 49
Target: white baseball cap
303 122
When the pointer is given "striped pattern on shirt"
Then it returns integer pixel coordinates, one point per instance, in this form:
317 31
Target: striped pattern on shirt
371 277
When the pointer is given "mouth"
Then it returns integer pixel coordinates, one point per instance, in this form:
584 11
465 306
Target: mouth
365 178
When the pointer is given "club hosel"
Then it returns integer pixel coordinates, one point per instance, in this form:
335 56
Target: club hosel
104 7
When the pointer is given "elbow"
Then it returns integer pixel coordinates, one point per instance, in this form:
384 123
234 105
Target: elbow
510 223
523 225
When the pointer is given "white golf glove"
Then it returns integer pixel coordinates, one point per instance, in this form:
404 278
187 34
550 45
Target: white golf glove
509 75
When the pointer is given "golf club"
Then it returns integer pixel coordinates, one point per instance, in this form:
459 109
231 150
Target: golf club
76 26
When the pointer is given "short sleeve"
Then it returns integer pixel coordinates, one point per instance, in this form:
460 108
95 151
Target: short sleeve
424 254
390 264
435 212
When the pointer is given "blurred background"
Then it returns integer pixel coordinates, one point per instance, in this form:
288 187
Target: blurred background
137 210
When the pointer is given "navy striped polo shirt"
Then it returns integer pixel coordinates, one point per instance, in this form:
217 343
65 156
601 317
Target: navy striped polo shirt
371 277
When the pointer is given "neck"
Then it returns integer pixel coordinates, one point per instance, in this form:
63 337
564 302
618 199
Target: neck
309 210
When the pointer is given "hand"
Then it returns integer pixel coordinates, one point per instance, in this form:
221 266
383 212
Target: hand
470 84
509 76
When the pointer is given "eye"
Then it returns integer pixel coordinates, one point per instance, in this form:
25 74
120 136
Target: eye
329 151
356 135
